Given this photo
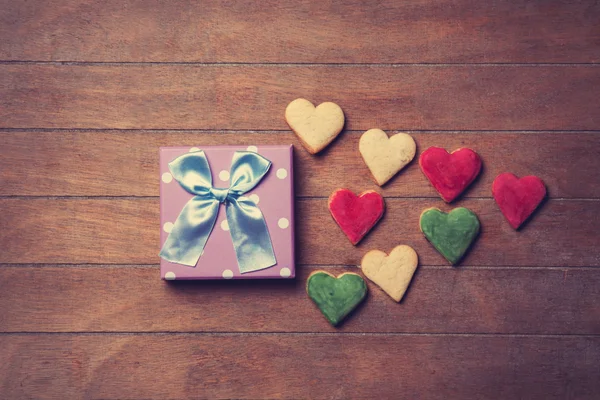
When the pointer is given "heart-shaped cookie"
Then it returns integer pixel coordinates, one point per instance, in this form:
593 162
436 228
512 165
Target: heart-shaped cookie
452 233
518 198
315 126
450 174
336 297
393 272
356 215
386 156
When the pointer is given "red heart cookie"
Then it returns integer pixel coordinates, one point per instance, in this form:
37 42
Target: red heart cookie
450 174
518 198
356 215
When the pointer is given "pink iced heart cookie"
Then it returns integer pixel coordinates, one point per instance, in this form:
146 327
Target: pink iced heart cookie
518 198
356 215
450 173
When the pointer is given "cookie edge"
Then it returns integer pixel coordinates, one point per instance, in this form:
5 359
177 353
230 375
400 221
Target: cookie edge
381 184
359 195
309 148
450 153
364 295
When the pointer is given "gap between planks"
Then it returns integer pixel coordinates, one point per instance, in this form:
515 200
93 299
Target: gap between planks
67 197
284 64
312 266
347 334
283 131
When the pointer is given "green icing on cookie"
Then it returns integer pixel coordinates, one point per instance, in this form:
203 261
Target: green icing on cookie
451 234
336 297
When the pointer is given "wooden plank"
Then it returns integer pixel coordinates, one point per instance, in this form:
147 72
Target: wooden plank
88 163
254 97
448 300
299 366
301 31
125 231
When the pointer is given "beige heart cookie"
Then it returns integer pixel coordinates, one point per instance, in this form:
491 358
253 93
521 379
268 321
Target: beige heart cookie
315 126
386 156
391 273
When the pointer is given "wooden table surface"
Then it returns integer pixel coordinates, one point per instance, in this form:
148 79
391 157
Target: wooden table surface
90 89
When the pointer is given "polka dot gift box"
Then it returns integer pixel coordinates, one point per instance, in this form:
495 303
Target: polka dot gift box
227 212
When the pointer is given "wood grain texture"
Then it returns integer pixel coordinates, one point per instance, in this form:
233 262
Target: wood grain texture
439 300
254 97
303 31
292 366
126 231
83 313
89 163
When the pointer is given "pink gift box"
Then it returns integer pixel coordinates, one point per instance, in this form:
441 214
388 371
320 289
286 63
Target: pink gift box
274 195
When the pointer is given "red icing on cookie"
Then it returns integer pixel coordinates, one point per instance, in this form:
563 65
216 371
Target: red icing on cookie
518 198
450 174
356 215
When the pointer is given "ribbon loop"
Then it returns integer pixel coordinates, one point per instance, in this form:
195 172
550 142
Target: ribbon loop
247 170
192 172
248 229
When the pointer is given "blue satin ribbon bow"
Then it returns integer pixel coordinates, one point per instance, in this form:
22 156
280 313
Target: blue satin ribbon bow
194 224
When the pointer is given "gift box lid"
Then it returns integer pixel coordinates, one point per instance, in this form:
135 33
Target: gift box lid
274 196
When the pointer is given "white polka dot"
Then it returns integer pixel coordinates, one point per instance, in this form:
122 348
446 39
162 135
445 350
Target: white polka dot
225 225
168 227
252 148
254 198
170 276
224 175
194 149
285 272
283 223
281 173
167 177
228 274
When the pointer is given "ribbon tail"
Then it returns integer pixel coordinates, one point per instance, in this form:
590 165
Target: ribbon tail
191 231
250 235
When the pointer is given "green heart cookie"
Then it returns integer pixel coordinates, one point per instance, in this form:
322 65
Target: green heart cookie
336 297
451 234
